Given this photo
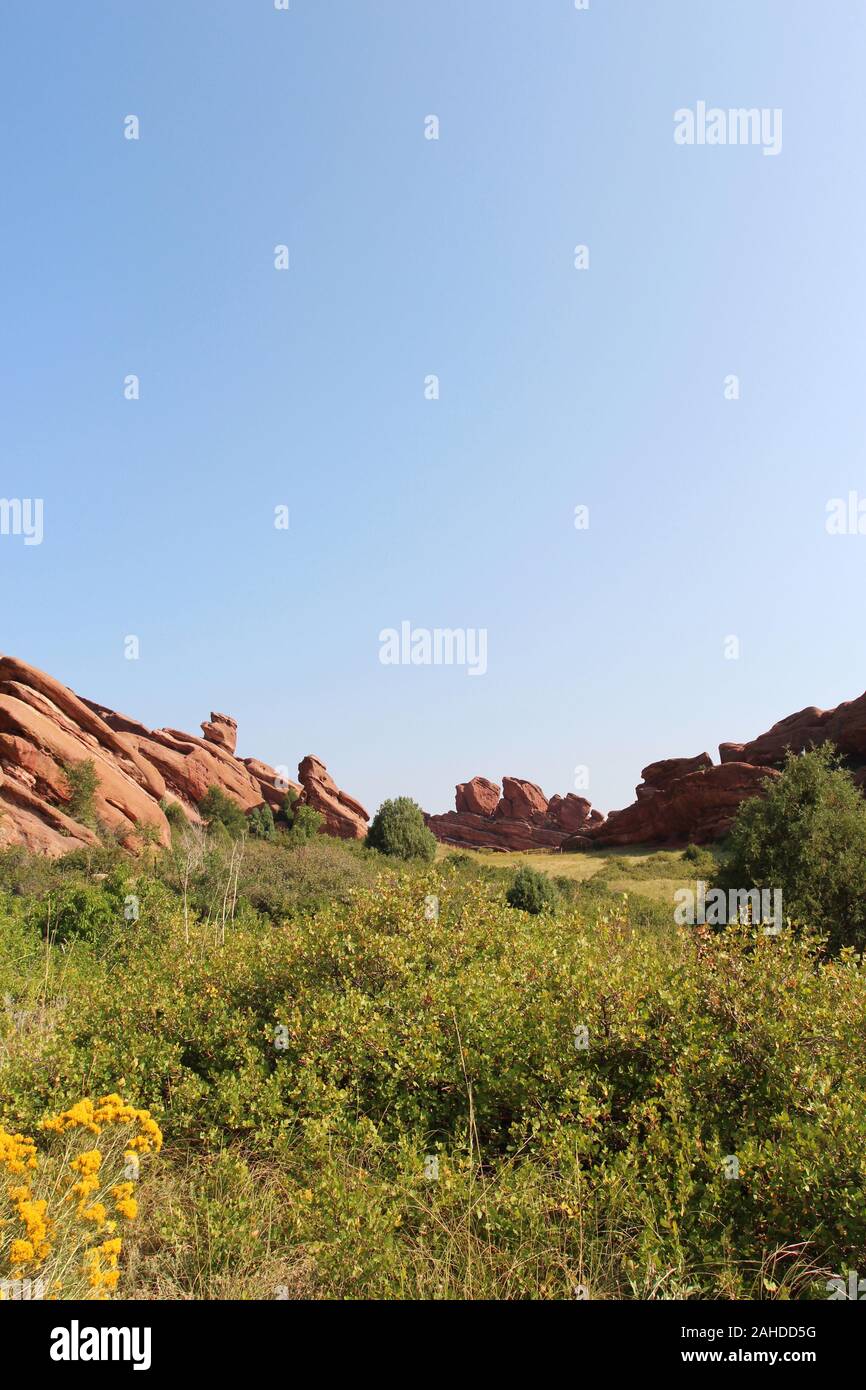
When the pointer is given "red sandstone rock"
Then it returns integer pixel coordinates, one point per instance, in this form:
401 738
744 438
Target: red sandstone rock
273 786
343 816
521 800
221 730
662 773
479 797
25 819
572 813
493 832
845 726
521 820
695 808
44 726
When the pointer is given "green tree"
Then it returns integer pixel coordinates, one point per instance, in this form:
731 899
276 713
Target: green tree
531 891
217 809
398 828
174 814
807 837
261 822
286 813
82 781
306 823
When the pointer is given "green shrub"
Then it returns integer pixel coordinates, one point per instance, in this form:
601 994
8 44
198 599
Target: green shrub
217 809
82 781
260 821
286 813
306 824
82 910
807 837
174 814
531 891
460 860
402 1036
398 829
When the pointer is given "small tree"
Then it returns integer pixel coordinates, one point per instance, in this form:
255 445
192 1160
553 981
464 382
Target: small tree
531 891
398 828
261 822
82 781
218 809
807 837
174 814
286 813
306 823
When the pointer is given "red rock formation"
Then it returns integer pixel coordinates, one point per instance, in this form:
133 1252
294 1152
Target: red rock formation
521 800
45 727
273 786
343 815
221 730
694 808
572 813
521 819
845 726
478 797
661 774
689 799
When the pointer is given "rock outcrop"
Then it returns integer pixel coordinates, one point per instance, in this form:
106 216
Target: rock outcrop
478 797
691 799
678 801
845 726
695 807
518 818
46 729
344 816
222 730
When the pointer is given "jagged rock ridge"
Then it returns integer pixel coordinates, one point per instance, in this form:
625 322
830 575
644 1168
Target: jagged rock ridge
45 727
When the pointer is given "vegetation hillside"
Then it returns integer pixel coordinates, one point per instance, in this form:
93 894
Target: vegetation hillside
374 1077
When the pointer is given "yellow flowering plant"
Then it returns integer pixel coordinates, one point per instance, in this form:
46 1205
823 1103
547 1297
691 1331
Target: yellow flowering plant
61 1210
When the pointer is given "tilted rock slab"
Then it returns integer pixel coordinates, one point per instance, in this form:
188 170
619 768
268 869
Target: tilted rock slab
44 725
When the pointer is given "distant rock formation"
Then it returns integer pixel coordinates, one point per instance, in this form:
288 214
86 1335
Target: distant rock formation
221 730
44 727
682 801
678 801
344 816
520 817
845 726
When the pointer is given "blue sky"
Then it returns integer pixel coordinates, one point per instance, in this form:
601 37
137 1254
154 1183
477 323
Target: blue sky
408 257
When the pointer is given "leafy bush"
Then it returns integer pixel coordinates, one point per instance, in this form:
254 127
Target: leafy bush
216 808
306 824
174 814
398 829
83 910
260 821
330 1059
286 813
460 860
807 837
531 891
82 781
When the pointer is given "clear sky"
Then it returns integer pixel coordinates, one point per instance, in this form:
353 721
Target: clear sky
409 257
